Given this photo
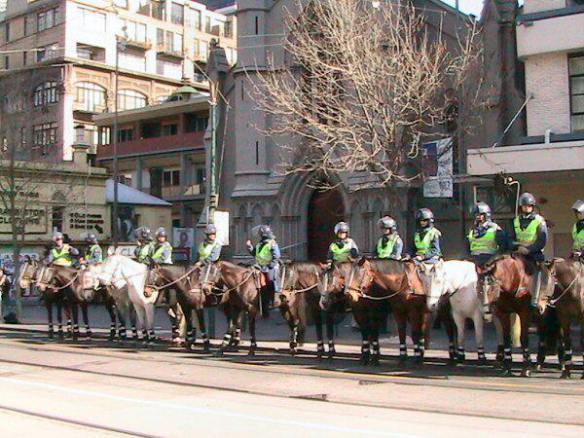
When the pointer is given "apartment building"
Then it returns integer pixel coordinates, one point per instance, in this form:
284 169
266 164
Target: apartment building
58 63
548 160
161 151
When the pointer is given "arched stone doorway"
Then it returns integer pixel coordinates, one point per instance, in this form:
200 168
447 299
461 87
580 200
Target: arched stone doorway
325 209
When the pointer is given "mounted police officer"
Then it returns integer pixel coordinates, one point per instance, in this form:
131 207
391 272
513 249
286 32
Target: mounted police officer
426 246
267 257
93 252
529 236
578 231
343 249
144 246
209 249
390 244
162 250
485 238
62 254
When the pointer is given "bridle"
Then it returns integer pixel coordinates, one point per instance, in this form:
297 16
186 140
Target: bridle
295 291
363 286
551 301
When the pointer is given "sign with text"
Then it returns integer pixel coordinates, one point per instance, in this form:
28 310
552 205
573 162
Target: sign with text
438 169
29 220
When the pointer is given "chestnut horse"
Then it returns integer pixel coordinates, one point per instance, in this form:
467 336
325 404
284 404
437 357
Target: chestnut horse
506 281
564 290
302 304
369 285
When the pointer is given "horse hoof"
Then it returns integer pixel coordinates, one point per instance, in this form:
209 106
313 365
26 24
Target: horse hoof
319 356
189 346
219 353
50 335
525 373
565 374
330 357
206 347
538 367
293 352
482 360
506 372
251 353
375 361
499 357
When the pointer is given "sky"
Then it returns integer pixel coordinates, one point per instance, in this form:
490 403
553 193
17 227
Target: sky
469 6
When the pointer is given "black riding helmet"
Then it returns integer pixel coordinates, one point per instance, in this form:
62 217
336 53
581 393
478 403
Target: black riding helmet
424 214
527 199
482 208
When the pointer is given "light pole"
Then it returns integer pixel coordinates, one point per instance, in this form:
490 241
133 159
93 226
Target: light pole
212 155
120 46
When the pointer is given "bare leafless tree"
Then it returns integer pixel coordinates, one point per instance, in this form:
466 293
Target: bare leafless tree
359 86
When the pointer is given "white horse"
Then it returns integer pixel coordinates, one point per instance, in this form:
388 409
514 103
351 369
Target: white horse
458 280
124 274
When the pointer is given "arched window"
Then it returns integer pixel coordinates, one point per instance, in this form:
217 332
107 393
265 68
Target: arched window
130 99
90 97
46 93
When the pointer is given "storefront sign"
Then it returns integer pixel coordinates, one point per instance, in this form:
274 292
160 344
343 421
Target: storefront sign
89 221
28 221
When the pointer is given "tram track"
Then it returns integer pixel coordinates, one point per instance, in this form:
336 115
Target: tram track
318 397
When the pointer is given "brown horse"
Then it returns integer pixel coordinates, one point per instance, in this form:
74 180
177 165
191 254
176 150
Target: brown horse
564 290
240 288
369 285
69 281
506 281
301 304
191 295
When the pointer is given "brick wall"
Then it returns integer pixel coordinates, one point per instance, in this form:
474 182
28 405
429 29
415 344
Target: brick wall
547 79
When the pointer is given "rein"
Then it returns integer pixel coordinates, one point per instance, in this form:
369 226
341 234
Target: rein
66 285
362 294
294 291
552 301
182 277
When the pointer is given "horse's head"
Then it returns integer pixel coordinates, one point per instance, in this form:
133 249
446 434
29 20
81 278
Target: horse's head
331 284
108 273
488 286
548 283
434 280
206 279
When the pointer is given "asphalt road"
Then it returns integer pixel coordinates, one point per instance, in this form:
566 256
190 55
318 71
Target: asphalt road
96 388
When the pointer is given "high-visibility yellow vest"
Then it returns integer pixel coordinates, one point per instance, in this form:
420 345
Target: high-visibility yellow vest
578 238
90 254
205 250
160 257
385 251
342 254
423 244
485 244
62 257
528 235
263 252
144 252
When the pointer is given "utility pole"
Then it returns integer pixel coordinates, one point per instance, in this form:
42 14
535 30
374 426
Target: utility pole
213 155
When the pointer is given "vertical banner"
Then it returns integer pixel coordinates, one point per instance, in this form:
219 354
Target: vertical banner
222 224
438 169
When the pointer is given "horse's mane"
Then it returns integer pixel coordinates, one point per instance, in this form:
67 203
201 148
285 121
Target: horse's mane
305 266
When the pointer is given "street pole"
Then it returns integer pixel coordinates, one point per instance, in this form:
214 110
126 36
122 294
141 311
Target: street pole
212 157
115 149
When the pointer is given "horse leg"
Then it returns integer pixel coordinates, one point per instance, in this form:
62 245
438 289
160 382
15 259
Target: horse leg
402 323
419 322
110 307
293 324
85 315
191 331
232 314
459 321
330 333
67 306
49 307
60 319
444 313
200 311
74 308
149 312
252 332
505 320
479 326
317 316
500 348
566 362
376 317
524 320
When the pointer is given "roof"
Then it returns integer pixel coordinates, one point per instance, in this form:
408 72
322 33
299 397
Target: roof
218 4
129 195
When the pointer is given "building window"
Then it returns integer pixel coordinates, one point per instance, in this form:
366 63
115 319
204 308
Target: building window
136 31
47 19
195 123
208 24
130 99
91 21
6 62
7 31
196 50
169 129
197 20
125 134
577 92
46 53
90 97
46 94
177 13
228 29
170 178
24 58
57 216
44 134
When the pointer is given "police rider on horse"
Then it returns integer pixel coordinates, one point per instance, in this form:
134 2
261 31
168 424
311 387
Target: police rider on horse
209 251
390 244
62 254
343 248
93 253
426 247
529 236
578 231
162 250
144 246
485 238
267 257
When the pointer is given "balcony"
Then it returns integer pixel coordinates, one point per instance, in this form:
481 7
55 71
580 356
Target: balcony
534 31
169 52
153 145
140 45
177 192
532 158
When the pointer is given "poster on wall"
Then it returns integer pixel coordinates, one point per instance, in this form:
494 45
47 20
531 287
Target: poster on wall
183 237
438 169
